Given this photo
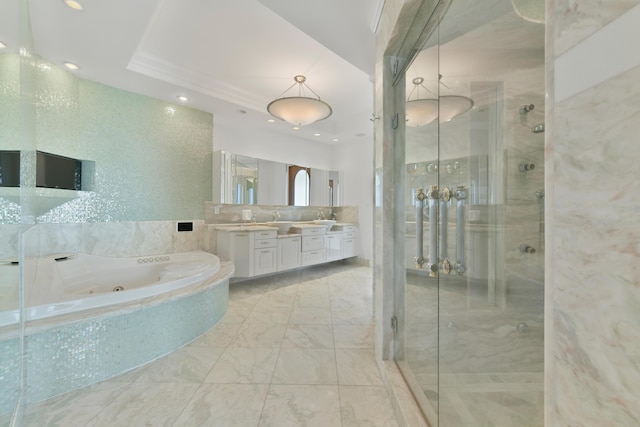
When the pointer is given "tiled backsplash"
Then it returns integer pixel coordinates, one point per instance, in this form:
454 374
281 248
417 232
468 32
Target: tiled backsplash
217 213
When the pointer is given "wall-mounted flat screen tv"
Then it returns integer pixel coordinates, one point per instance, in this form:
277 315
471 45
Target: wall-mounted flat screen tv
52 170
9 169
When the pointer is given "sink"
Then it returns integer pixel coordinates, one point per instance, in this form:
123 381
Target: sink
326 222
283 226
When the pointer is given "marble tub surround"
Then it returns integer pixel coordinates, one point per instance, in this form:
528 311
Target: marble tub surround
311 365
231 214
120 239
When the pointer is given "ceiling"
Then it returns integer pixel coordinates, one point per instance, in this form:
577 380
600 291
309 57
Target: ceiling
230 58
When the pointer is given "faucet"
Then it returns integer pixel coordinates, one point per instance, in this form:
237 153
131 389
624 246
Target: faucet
276 215
332 215
320 215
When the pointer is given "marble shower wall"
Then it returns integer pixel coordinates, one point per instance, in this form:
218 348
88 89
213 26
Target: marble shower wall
592 335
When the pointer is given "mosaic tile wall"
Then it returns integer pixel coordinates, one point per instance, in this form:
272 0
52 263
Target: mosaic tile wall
153 159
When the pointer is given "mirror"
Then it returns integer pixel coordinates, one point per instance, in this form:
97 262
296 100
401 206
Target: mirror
239 179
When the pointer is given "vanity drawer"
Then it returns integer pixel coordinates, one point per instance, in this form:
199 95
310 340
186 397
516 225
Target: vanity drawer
265 243
310 243
266 234
313 231
313 257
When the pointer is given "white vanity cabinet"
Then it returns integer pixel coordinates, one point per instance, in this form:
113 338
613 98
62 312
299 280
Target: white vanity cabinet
253 251
258 250
289 255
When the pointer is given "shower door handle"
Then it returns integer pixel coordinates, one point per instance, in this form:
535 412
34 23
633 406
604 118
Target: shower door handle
461 197
419 259
445 197
432 197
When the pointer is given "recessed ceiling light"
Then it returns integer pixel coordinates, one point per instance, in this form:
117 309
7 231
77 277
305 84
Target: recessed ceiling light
242 111
316 134
2 45
182 98
361 134
295 128
270 121
71 66
73 4
335 140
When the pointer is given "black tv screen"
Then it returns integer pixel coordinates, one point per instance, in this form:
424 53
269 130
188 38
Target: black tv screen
9 169
54 171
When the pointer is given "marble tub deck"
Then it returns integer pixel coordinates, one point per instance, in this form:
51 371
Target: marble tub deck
293 349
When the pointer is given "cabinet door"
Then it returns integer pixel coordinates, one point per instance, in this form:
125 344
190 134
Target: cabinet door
240 247
264 261
349 244
288 253
333 245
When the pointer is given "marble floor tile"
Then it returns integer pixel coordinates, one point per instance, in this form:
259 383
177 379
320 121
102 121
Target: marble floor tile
319 299
75 408
366 406
244 366
221 335
354 336
188 365
269 314
228 405
266 335
141 404
301 405
349 311
237 313
308 336
305 366
357 367
310 315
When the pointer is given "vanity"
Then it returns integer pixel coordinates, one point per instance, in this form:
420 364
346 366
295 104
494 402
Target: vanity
259 249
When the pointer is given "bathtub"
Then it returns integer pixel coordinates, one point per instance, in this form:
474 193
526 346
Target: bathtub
70 283
90 318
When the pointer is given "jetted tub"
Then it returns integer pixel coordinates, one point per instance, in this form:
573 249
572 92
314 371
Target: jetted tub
67 283
89 318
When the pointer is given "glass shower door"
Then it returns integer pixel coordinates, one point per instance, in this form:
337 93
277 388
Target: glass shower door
474 175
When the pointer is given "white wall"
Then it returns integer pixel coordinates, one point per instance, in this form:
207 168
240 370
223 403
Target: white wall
355 160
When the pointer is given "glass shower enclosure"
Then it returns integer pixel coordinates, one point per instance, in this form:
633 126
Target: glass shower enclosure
474 238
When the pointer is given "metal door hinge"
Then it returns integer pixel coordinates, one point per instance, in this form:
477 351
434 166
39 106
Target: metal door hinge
394 325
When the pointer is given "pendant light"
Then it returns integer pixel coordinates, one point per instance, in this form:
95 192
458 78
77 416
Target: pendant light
299 110
422 111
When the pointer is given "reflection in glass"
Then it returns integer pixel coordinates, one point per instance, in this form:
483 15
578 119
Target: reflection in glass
301 188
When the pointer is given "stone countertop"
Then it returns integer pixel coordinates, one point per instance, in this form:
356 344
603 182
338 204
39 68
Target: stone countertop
245 228
284 236
337 227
